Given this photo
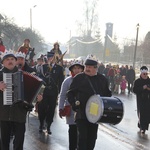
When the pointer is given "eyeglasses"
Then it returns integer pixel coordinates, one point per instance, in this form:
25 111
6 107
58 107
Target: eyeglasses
145 74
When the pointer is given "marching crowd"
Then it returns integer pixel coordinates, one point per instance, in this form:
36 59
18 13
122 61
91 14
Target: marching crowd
71 84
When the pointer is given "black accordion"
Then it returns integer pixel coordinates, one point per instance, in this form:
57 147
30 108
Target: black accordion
20 86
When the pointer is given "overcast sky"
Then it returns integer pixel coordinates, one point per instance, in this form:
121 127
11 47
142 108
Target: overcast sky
54 19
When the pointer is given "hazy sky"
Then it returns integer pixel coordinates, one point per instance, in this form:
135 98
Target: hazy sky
54 19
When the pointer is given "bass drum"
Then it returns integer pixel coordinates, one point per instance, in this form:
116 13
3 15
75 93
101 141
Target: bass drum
104 109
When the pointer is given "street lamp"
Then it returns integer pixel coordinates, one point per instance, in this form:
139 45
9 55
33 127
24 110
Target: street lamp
1 18
136 41
105 46
31 16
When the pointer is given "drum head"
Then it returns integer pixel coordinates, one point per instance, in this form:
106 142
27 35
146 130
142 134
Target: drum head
94 108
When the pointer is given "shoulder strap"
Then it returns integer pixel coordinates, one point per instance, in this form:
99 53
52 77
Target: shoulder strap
91 84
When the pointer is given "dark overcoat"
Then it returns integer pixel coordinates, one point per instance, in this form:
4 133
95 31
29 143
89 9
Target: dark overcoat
81 90
143 99
15 113
130 75
52 79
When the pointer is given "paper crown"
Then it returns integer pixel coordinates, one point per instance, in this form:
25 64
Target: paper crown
91 60
7 54
78 63
20 54
144 69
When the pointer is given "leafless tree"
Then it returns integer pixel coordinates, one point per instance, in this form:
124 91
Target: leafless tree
90 18
13 35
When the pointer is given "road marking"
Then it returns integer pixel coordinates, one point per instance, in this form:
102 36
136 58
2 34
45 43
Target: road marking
118 134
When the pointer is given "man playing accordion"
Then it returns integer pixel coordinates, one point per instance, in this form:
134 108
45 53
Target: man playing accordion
11 115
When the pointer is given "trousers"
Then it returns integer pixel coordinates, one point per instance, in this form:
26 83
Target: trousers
18 131
87 134
72 137
46 108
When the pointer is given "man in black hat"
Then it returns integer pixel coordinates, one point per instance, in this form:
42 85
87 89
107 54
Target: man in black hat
78 94
53 76
142 90
11 115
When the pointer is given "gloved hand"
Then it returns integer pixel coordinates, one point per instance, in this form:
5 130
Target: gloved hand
28 107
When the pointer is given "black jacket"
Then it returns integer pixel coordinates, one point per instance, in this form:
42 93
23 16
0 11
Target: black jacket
28 68
54 78
143 99
15 113
81 90
130 75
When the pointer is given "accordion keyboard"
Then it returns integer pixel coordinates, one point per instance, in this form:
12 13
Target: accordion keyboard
7 94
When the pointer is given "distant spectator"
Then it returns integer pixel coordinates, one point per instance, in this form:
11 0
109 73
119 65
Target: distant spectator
127 68
2 47
123 71
105 71
123 83
111 75
117 80
130 78
101 68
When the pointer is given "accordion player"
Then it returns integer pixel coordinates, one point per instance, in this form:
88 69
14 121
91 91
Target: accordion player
21 87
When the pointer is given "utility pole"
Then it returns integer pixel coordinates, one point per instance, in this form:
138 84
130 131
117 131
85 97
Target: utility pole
31 16
105 45
136 41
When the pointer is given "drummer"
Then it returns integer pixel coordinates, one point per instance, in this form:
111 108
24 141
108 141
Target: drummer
84 85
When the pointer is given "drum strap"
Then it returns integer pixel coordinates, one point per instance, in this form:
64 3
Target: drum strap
91 85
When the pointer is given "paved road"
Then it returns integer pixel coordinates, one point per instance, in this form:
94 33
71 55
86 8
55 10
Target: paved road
124 136
107 140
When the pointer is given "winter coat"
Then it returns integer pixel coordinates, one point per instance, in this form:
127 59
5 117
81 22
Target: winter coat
2 48
81 90
16 112
63 100
123 84
143 99
130 75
